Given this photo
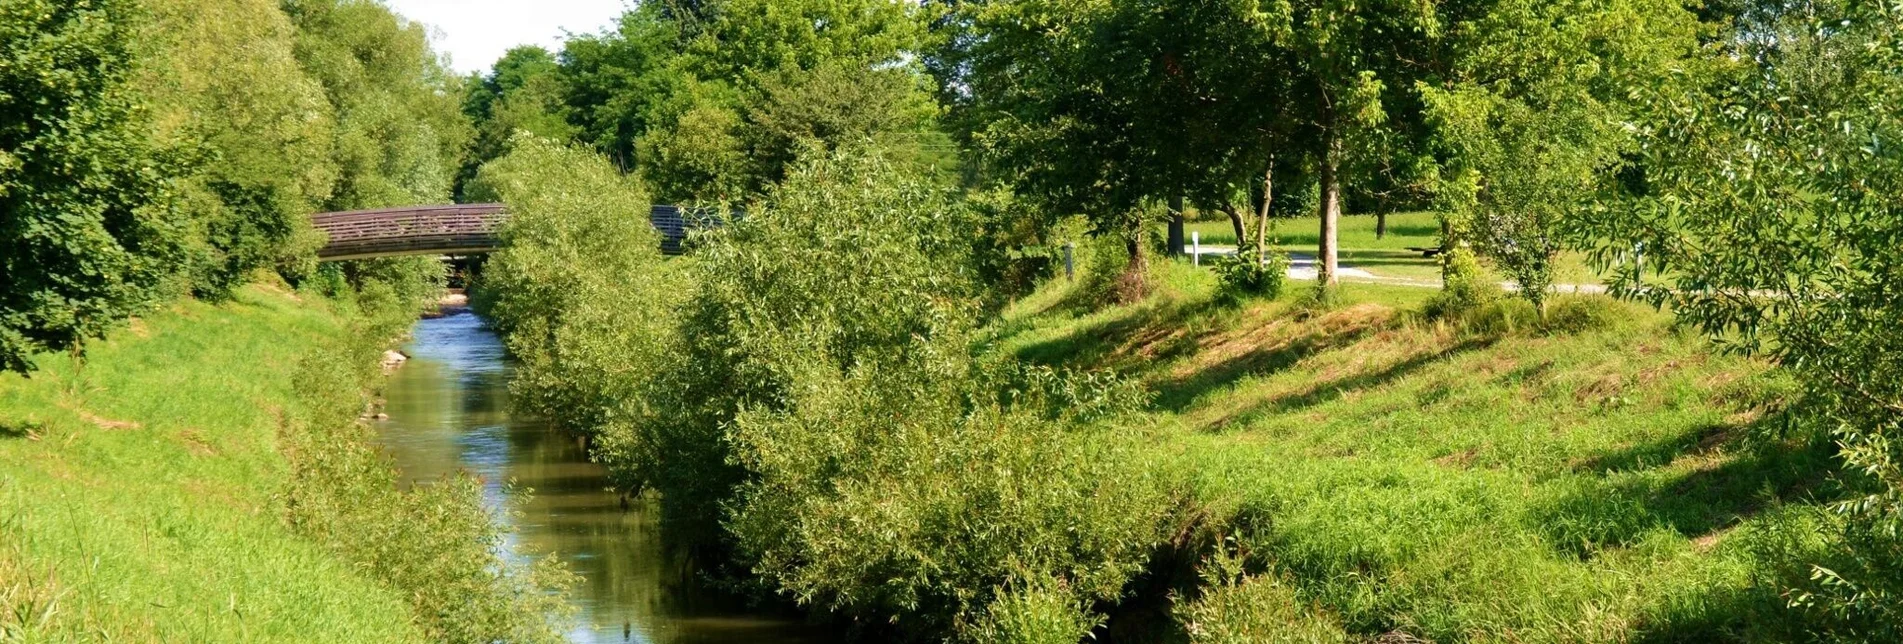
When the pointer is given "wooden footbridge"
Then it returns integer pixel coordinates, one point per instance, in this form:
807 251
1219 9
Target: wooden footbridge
456 229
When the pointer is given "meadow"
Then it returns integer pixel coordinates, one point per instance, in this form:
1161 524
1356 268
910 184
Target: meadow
1597 477
200 477
1387 256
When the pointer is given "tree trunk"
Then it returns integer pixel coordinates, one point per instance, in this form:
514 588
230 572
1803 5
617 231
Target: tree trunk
1133 284
1325 262
1235 220
1176 226
1381 224
1446 250
1262 216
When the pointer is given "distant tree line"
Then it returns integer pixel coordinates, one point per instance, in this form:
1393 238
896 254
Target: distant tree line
1738 161
1733 160
155 149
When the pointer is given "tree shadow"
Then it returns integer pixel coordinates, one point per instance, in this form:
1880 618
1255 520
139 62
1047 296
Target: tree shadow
1332 389
1177 394
1133 344
10 429
1729 475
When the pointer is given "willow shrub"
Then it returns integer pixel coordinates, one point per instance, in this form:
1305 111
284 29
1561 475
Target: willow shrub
436 544
828 399
1768 218
900 491
579 288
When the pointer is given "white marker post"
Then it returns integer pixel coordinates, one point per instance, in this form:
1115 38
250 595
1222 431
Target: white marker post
1195 248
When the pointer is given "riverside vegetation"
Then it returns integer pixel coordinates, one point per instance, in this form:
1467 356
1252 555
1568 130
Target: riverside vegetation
820 397
205 478
201 475
870 390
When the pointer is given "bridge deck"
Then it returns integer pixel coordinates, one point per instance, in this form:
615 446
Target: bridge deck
418 230
458 229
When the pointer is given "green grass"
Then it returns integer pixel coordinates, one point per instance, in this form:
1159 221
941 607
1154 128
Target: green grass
1481 479
140 495
1386 256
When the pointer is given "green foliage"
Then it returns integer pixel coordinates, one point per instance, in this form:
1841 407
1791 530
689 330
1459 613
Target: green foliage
89 233
1464 286
435 544
849 262
1034 614
845 391
578 289
1237 607
1250 273
400 132
1013 248
226 89
521 93
809 366
1539 113
1765 215
712 107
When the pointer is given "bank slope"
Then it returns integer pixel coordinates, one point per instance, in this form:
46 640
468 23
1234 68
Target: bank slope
1608 478
139 492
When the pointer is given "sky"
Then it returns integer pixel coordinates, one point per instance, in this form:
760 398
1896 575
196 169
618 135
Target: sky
475 33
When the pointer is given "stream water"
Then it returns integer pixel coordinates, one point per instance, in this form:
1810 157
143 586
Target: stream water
449 410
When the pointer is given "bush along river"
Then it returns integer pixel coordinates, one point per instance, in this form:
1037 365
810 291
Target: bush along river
449 410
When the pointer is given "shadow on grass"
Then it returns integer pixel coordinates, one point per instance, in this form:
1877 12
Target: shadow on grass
1132 344
1713 490
1332 389
19 429
1176 395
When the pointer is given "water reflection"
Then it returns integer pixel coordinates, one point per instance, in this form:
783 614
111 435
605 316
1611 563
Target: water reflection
449 411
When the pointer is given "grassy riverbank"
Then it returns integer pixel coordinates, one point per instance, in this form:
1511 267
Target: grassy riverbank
191 482
1608 478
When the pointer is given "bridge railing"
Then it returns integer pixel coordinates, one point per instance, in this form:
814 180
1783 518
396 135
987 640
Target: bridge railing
465 229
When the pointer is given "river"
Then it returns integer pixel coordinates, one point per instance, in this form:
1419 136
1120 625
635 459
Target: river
449 410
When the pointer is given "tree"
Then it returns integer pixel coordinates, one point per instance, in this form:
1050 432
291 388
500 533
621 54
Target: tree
523 92
400 132
88 231
711 105
1537 111
1104 108
226 89
1766 209
1353 58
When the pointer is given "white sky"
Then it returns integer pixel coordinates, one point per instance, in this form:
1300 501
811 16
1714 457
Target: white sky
475 33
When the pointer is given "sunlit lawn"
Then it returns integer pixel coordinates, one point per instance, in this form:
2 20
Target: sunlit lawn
1386 256
1461 478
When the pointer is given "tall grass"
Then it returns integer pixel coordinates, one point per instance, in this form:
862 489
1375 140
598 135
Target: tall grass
1600 476
190 482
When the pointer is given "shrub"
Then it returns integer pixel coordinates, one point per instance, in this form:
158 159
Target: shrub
579 288
89 231
848 261
1466 287
1241 608
1034 614
1250 273
436 544
890 493
824 413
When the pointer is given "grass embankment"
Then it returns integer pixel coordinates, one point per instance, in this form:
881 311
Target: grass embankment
1484 479
140 491
191 482
1386 256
